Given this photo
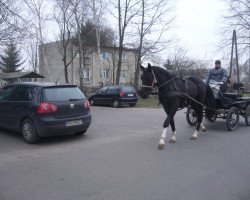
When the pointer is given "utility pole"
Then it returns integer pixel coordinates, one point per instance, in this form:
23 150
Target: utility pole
249 59
234 45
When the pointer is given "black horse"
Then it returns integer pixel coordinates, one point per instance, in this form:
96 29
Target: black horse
175 93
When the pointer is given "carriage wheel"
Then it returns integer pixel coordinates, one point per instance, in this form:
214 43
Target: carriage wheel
232 119
247 115
191 116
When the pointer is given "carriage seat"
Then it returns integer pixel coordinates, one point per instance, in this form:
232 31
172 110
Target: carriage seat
233 96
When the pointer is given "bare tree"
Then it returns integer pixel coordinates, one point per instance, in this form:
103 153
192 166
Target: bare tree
33 58
126 11
64 18
155 19
97 8
80 11
11 22
182 65
236 18
37 10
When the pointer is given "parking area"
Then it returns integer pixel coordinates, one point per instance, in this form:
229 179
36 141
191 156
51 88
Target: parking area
118 159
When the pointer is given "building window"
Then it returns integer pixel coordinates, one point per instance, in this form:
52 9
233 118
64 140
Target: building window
104 55
123 74
86 75
104 74
124 57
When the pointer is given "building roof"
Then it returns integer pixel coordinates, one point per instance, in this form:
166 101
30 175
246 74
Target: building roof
45 84
14 75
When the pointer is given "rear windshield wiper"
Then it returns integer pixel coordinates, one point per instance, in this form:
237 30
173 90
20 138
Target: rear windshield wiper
75 99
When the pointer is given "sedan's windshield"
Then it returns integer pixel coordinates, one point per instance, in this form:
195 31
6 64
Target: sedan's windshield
63 94
128 89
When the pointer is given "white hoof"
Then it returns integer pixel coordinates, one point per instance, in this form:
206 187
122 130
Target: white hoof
172 141
161 144
173 138
193 138
203 128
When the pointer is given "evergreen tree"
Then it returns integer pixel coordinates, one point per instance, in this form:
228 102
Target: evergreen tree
11 60
88 34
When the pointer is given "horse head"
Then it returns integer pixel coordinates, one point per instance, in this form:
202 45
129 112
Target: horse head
148 81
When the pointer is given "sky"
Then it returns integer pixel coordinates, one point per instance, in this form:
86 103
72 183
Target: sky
196 27
197 24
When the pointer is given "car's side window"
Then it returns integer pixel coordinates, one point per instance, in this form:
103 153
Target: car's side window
29 94
103 90
111 90
20 93
6 93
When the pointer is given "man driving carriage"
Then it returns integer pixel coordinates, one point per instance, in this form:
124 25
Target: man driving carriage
218 74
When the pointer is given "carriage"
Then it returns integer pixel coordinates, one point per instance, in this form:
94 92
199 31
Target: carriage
230 106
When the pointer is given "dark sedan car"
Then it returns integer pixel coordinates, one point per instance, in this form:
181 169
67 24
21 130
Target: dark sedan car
39 109
115 95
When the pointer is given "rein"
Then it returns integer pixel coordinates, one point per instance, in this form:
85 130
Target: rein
155 82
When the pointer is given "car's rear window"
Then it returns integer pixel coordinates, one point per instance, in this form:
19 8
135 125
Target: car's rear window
63 93
128 89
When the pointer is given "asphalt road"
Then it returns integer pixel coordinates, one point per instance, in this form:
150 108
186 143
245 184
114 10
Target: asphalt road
118 159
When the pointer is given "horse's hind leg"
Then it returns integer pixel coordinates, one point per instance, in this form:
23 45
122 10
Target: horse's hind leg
199 111
203 127
173 137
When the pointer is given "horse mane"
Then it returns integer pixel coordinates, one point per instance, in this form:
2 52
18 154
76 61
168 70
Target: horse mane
160 70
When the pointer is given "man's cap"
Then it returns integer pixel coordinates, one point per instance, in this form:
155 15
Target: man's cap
218 62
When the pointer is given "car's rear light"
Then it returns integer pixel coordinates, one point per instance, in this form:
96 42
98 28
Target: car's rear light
121 94
87 105
47 108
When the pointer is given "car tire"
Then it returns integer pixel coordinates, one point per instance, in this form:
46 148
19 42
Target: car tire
132 104
81 133
91 102
29 132
116 103
232 119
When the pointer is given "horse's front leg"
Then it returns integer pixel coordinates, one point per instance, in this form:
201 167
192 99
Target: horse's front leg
163 137
168 120
173 137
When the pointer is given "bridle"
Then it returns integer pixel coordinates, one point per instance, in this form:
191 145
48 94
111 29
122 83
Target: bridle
155 82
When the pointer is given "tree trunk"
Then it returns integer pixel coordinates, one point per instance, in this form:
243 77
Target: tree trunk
119 66
137 69
66 71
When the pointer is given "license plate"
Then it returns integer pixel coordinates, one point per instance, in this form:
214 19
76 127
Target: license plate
130 95
74 122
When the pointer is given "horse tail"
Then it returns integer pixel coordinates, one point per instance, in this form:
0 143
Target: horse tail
210 103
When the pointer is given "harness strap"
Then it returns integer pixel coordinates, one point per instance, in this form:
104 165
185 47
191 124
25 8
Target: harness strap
182 94
153 83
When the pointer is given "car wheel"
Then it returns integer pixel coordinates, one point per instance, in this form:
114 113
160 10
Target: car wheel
132 104
191 116
92 102
29 132
80 133
247 115
116 103
232 119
